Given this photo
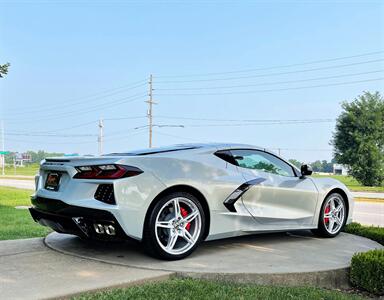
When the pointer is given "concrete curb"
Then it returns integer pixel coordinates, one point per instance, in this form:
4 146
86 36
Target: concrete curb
338 278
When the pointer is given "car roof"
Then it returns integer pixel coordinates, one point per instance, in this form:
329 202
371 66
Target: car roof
180 147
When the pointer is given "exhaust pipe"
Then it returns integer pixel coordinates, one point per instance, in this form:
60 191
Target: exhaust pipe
104 229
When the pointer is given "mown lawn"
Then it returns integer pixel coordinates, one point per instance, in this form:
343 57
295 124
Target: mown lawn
17 223
203 289
28 170
352 183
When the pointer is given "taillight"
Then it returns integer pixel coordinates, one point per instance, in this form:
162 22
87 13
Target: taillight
106 172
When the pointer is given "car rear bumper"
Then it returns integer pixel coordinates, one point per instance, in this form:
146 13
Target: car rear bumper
81 221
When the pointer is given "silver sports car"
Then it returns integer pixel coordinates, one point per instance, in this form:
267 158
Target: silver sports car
174 198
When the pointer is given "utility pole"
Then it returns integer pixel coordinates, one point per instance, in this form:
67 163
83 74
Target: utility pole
100 138
149 112
2 148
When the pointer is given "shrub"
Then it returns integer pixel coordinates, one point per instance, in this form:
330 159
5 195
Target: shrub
371 232
367 271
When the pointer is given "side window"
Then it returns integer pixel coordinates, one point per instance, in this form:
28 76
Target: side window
259 160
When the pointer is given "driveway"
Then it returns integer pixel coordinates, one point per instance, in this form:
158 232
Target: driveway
30 270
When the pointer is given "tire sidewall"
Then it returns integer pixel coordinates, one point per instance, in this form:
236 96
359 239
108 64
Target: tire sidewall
321 225
150 227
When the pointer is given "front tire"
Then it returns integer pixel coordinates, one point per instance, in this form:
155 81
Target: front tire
175 226
333 215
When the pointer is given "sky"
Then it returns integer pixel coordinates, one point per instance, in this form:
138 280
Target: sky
268 73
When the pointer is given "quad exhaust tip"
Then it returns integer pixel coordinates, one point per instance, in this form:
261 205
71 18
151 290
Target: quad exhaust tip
104 229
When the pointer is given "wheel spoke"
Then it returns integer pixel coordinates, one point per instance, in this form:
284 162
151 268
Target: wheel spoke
191 216
176 206
332 204
327 215
338 209
338 221
172 240
164 224
331 224
188 237
173 219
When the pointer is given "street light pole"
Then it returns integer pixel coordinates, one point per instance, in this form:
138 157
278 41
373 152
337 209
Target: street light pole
2 148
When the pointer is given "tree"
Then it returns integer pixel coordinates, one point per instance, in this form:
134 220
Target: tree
359 138
41 154
317 166
4 69
295 162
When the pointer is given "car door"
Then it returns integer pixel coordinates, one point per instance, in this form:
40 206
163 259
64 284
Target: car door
277 196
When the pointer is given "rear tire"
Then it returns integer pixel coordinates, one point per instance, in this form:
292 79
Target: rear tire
175 226
333 216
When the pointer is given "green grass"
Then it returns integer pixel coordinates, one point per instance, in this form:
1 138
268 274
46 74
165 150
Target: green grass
17 223
28 170
203 289
352 183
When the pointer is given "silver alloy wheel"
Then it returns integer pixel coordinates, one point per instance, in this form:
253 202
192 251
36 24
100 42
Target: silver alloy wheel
178 225
334 214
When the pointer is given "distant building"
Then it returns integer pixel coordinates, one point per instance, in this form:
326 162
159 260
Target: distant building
21 158
339 169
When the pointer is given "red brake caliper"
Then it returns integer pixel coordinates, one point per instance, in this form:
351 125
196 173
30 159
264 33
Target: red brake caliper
184 213
327 210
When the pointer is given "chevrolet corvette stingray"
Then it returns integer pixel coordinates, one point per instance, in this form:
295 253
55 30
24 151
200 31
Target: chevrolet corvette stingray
173 198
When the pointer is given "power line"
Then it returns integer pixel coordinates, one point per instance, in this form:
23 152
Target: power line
178 137
51 143
254 123
271 148
139 131
274 67
268 83
73 102
275 90
247 120
50 135
128 99
125 118
274 74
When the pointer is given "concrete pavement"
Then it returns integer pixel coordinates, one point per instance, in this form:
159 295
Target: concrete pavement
30 270
294 258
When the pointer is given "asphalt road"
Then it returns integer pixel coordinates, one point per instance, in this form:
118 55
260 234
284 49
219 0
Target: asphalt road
368 213
18 183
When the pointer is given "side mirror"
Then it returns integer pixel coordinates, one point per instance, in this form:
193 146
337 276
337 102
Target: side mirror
306 170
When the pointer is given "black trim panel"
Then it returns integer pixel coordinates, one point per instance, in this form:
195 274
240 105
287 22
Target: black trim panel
61 218
230 201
